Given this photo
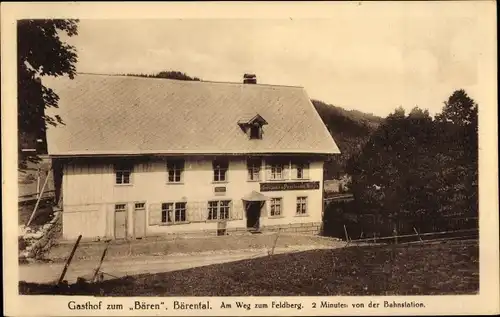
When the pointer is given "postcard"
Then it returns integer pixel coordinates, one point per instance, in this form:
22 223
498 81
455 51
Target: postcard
246 158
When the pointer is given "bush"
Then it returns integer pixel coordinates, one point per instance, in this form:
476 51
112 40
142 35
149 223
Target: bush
21 243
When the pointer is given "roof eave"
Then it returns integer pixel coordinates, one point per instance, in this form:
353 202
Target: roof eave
198 153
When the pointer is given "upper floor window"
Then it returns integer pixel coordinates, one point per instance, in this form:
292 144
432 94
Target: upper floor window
255 132
253 167
175 170
220 168
301 170
123 174
277 171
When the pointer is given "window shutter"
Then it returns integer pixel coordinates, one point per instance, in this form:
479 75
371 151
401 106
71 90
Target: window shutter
306 171
294 171
236 212
286 171
268 172
194 211
190 212
154 214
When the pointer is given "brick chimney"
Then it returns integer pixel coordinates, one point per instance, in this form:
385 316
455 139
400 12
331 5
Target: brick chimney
249 79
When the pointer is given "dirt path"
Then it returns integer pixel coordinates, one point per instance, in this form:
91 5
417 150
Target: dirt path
119 267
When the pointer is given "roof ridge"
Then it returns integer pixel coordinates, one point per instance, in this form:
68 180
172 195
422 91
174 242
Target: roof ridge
188 81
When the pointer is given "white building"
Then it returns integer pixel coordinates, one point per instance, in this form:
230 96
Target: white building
141 157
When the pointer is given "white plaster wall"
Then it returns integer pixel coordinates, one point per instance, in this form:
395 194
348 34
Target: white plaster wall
90 193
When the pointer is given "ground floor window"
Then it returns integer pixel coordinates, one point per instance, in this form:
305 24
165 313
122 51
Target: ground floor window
120 207
173 212
301 205
276 206
140 206
219 209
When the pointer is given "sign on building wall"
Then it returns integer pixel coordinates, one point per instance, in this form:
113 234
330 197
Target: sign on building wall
268 187
220 190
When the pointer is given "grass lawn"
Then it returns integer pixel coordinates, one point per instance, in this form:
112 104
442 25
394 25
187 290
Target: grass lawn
427 269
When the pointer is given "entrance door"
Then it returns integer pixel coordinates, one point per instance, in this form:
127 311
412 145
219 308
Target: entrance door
253 214
139 220
120 221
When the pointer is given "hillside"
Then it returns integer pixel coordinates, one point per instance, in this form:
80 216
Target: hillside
350 130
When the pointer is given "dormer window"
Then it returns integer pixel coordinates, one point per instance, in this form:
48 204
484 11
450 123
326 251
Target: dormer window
255 132
252 126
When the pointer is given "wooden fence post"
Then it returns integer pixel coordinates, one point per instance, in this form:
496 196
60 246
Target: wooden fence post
100 262
414 229
38 183
68 261
275 241
346 235
395 234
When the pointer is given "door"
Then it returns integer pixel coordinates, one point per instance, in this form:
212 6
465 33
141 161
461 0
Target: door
139 220
120 221
253 214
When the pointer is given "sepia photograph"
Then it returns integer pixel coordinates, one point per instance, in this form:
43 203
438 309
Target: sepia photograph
242 157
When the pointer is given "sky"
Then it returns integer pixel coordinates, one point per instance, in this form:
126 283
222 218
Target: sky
365 61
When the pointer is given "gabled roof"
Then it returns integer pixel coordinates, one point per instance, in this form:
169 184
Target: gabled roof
121 115
251 118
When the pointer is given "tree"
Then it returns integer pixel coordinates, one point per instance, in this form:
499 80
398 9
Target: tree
418 170
169 74
458 126
41 52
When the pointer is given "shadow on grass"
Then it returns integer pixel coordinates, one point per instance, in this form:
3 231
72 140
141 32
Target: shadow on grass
427 269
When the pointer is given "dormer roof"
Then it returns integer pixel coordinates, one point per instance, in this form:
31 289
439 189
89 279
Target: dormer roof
250 119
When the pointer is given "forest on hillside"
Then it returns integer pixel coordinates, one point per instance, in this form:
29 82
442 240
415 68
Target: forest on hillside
350 129
415 172
169 74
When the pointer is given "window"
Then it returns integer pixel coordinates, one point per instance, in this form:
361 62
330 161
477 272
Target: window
140 206
301 205
276 204
175 170
219 209
302 170
224 209
253 166
173 212
119 207
220 170
123 173
255 131
166 212
277 171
